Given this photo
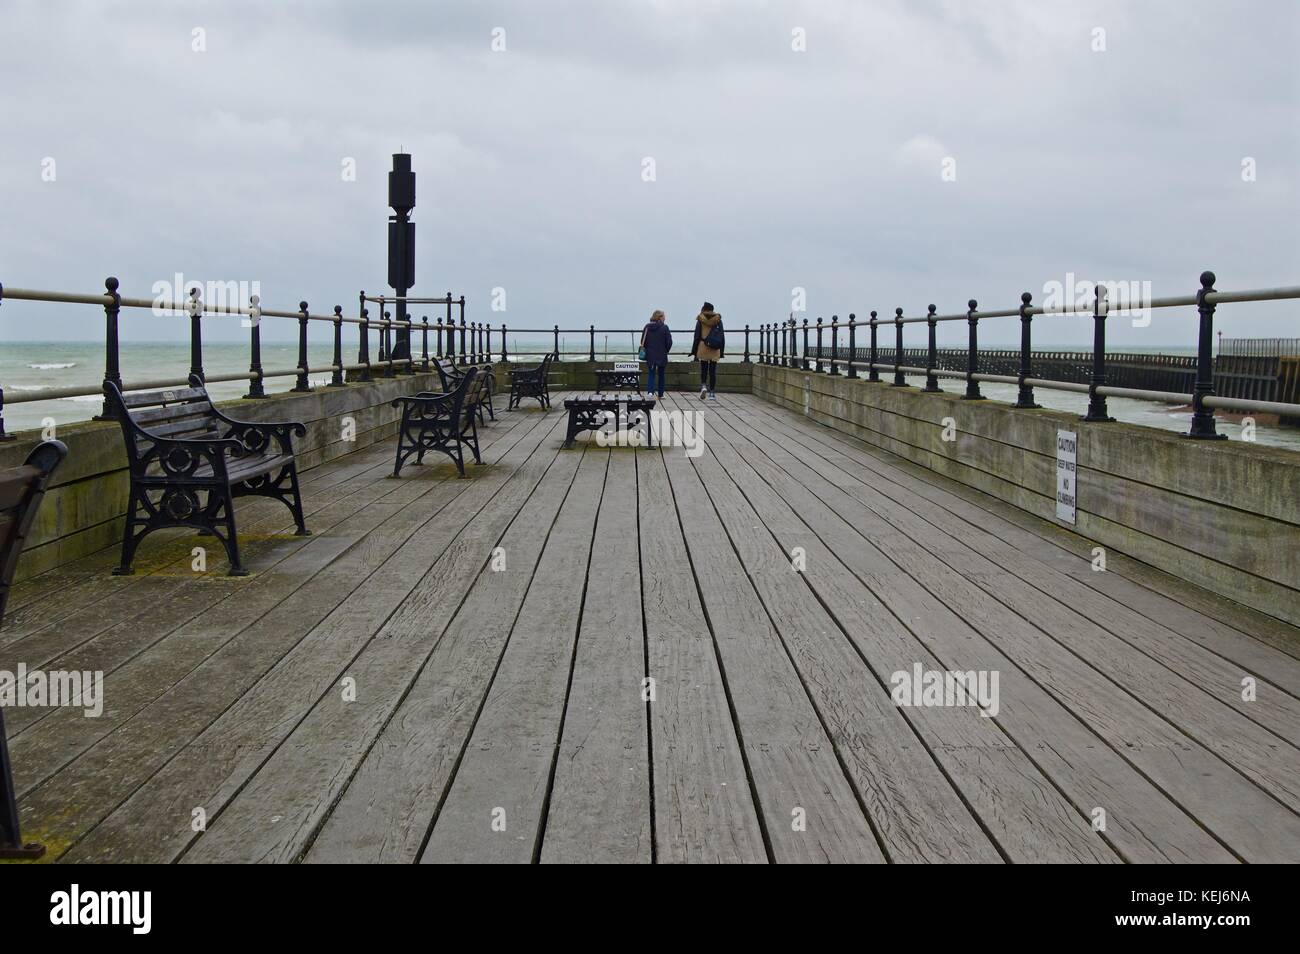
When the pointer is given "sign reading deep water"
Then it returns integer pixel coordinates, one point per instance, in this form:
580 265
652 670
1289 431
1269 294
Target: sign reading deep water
1067 486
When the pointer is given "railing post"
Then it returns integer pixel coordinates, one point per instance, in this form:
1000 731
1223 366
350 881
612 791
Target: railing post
817 365
745 360
3 435
195 308
1097 412
387 354
1025 399
112 357
835 345
556 347
973 356
462 337
872 373
451 331
1202 416
803 360
302 384
932 356
853 346
336 379
592 353
900 381
363 352
785 331
505 348
424 342
478 342
256 389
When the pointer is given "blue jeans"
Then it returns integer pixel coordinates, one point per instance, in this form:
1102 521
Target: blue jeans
656 369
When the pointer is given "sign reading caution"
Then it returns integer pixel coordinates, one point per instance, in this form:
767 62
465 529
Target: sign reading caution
1067 475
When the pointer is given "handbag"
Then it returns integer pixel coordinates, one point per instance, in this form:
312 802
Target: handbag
640 354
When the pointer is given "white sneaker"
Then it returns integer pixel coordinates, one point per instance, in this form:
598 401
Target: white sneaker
712 396
704 392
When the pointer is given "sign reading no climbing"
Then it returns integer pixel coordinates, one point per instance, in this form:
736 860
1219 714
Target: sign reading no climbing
1067 477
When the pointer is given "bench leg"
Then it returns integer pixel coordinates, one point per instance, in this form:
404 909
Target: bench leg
231 539
11 839
296 506
130 539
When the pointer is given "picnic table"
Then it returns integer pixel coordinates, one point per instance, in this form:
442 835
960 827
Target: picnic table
590 412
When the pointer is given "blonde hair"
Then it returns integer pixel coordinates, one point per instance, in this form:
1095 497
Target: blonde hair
657 316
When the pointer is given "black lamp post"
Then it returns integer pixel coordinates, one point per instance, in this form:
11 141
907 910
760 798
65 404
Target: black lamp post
401 247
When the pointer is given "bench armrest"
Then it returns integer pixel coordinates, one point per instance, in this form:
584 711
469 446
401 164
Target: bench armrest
255 436
427 401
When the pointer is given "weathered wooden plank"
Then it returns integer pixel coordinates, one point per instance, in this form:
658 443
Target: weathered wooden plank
389 805
495 807
810 808
1018 806
1188 772
1144 824
155 750
599 806
917 814
1086 615
703 800
134 676
275 814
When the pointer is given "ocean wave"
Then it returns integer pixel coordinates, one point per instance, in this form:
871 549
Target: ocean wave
53 366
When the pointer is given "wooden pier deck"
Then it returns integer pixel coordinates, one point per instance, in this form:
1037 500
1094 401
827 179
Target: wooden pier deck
454 670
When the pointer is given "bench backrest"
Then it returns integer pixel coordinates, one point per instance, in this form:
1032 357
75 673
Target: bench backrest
183 413
21 491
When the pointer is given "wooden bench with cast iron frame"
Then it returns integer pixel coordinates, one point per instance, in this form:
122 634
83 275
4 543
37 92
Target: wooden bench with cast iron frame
189 462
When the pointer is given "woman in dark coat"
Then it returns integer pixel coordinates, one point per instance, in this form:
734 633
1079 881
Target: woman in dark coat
657 341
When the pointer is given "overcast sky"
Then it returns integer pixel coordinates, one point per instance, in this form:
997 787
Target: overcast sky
774 168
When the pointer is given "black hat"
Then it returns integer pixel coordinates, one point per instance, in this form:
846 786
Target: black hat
707 306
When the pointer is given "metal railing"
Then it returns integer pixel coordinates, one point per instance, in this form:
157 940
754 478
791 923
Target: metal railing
779 345
196 309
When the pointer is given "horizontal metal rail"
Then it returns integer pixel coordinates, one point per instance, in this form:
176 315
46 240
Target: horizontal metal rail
787 344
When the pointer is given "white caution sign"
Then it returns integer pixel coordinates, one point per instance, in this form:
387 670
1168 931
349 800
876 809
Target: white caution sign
1067 475
627 365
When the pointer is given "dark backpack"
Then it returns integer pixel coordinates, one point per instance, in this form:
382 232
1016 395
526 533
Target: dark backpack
715 338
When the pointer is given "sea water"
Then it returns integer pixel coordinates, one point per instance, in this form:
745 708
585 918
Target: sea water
29 365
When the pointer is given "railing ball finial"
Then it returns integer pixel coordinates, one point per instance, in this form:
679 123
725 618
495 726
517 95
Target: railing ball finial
111 284
338 312
1026 298
932 310
1207 280
302 306
972 304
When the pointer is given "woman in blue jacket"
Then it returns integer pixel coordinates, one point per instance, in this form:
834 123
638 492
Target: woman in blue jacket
657 341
